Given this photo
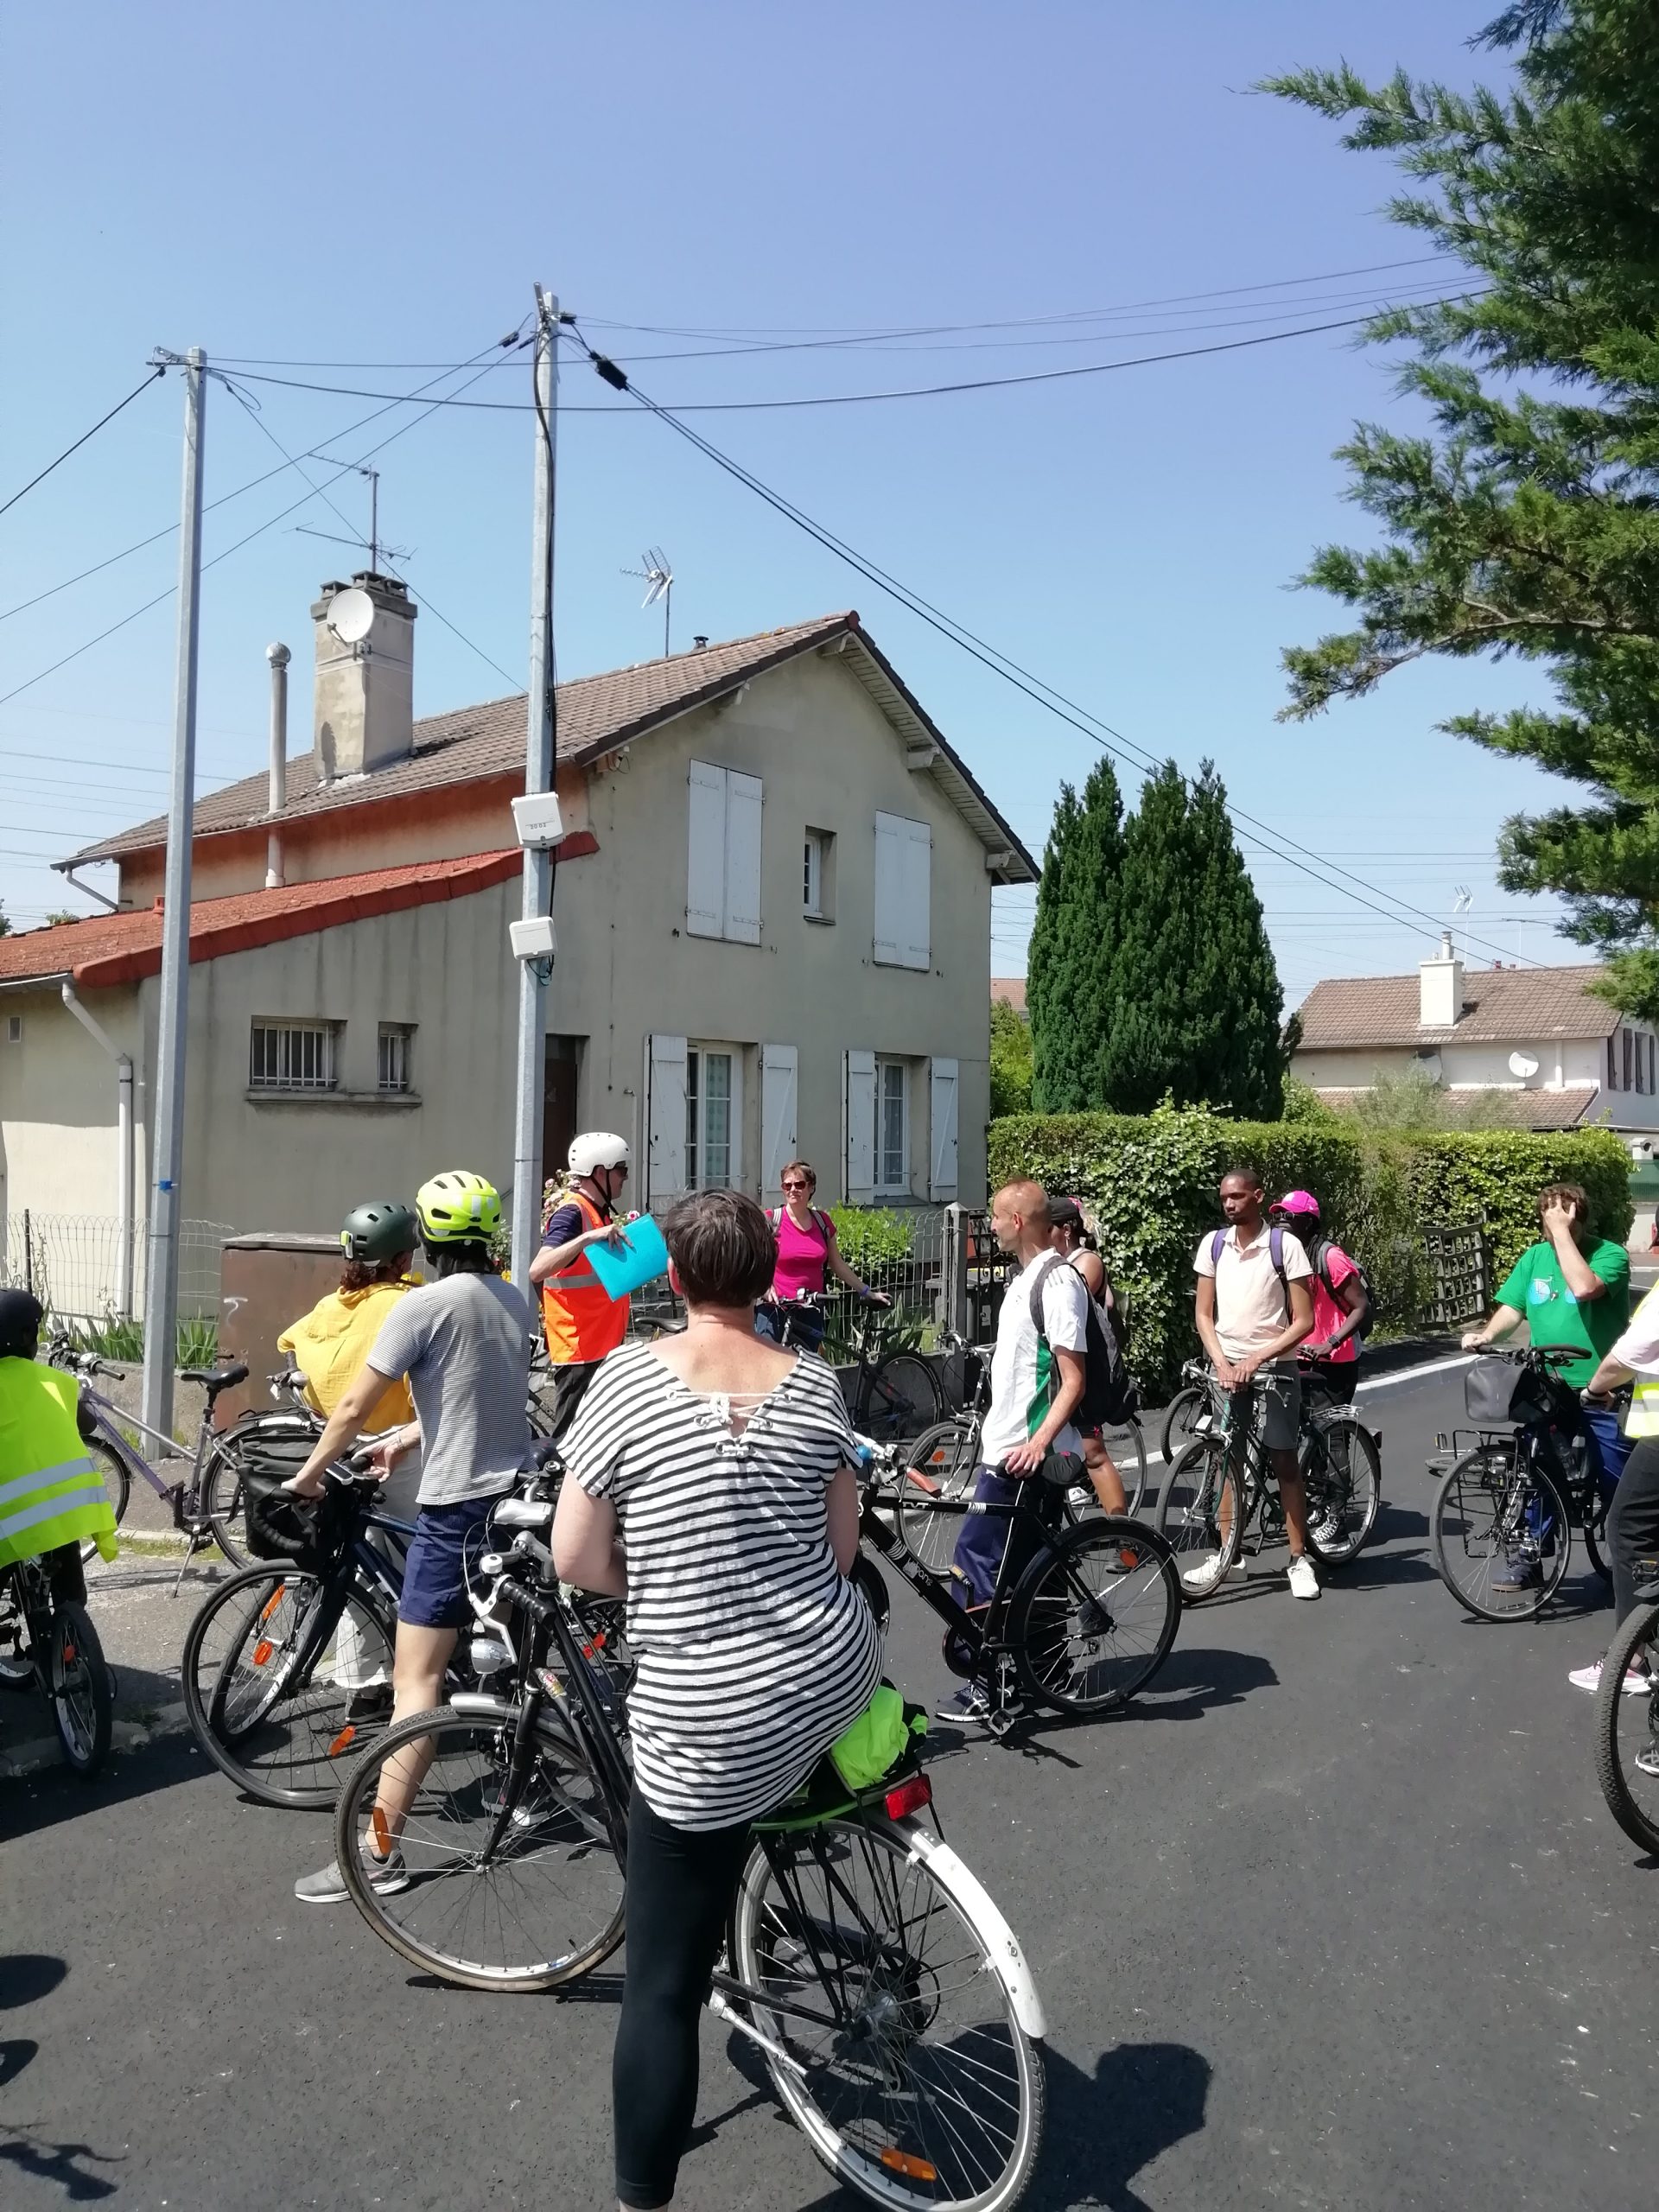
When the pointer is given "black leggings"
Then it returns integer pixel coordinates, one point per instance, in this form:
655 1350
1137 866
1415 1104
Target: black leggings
681 1885
1633 1526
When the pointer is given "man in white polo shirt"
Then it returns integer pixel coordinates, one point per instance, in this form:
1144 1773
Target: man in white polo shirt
1254 1307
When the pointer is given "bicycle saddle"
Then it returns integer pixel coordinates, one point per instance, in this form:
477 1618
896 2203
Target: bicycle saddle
215 1379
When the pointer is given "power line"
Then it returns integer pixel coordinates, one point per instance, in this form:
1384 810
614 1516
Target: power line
81 440
990 656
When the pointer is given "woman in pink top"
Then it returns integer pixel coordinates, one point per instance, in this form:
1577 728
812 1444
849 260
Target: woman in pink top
808 1255
1341 1308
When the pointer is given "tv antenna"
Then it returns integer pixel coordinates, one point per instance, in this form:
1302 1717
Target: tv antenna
1462 899
375 548
654 572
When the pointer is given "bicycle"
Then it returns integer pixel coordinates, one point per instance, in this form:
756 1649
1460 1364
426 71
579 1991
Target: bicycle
1221 1495
1079 1624
206 1504
1514 1496
1627 1728
53 1647
892 1395
888 1997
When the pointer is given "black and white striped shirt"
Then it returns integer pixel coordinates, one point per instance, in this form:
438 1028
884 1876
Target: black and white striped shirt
755 1652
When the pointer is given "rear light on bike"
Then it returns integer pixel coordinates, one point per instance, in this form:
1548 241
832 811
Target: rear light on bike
913 2168
262 1651
344 1741
912 1796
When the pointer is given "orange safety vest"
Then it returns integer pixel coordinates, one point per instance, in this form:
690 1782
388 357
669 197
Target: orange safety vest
582 1320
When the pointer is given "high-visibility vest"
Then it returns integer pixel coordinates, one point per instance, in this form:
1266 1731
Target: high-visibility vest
1643 1419
51 1491
582 1320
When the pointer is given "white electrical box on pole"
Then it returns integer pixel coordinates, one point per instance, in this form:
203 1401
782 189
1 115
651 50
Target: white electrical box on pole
535 965
167 1138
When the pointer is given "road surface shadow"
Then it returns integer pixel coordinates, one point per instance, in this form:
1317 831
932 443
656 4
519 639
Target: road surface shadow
25 1978
32 1802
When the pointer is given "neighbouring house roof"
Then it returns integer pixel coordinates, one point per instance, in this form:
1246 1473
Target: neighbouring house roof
595 715
1524 1109
1501 1006
111 948
1011 989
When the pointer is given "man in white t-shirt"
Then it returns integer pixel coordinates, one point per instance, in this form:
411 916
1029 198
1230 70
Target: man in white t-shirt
1036 1382
1255 1304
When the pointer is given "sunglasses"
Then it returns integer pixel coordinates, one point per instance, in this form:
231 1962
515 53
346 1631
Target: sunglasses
797 1186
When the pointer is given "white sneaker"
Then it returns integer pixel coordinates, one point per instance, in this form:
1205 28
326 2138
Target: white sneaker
1201 1576
1588 1679
1304 1582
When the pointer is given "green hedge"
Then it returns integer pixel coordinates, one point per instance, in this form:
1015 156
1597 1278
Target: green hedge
1152 1182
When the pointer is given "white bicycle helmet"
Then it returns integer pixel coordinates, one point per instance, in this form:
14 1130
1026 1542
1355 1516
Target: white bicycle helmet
598 1148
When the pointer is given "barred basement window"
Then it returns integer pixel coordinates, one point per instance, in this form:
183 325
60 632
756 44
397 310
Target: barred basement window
395 1041
292 1056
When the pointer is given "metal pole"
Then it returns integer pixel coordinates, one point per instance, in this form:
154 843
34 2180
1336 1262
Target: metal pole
538 777
279 657
166 1140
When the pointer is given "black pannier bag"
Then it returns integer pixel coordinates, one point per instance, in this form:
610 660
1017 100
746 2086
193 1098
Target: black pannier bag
1498 1391
280 1525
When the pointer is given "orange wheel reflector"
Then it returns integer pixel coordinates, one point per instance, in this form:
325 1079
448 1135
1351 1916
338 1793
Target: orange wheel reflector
68 1655
271 1603
922 1482
381 1833
262 1651
1129 1558
345 1737
900 2162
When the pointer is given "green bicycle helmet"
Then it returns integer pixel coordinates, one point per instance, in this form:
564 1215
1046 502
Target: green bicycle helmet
457 1208
379 1230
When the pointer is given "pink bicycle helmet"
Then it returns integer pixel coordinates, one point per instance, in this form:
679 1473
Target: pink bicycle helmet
1299 1202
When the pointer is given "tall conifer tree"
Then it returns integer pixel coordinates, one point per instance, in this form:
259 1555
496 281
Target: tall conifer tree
1069 989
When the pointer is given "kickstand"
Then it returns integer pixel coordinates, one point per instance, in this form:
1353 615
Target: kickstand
197 1543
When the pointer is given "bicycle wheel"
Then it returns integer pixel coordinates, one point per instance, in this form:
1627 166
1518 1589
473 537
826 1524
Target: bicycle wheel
117 1483
221 1501
1094 1615
282 1680
1183 1411
1627 1728
930 1519
1494 1515
919 2085
1126 1447
1200 1516
510 1887
1343 1471
899 1398
78 1679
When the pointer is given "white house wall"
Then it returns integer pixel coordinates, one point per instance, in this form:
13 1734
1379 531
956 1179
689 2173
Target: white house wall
58 1150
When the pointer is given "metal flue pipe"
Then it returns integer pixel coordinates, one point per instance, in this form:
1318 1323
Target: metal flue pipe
279 657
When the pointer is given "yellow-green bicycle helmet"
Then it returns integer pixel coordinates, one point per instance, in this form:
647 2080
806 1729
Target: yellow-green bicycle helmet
457 1208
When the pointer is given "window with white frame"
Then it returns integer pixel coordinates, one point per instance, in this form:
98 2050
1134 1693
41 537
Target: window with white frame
292 1056
712 1107
891 1126
817 897
722 876
393 1072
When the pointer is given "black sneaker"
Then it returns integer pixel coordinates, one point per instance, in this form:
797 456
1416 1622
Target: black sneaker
970 1703
1519 1575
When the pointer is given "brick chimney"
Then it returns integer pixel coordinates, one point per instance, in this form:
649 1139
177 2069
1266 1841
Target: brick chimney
365 710
1440 988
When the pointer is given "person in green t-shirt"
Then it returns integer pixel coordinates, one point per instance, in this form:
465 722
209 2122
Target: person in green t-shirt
1573 1290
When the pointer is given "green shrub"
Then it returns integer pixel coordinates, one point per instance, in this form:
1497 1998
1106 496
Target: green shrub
121 1340
871 1237
1150 1180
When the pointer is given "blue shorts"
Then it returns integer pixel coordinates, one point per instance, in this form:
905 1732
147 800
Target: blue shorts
447 1540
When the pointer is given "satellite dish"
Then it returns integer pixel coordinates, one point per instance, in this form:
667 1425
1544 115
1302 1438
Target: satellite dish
1524 1065
351 615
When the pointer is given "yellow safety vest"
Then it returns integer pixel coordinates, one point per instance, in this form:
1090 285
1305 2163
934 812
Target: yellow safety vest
1643 1419
51 1491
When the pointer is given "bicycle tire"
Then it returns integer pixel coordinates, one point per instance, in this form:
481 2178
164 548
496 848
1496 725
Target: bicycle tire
221 1501
1093 1616
117 1483
562 1849
930 1520
897 1398
1595 1531
78 1686
248 1642
1193 1512
1352 1481
1623 1726
882 1893
1481 1508
1177 1432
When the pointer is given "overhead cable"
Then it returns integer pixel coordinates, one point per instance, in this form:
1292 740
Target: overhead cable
82 439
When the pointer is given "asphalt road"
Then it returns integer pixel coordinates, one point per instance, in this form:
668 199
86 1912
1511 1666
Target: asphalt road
1334 1917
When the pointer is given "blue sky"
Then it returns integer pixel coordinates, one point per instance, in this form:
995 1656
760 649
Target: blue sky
383 185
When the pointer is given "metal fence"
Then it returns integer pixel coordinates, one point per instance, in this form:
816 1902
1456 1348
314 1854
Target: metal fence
1459 1275
72 1263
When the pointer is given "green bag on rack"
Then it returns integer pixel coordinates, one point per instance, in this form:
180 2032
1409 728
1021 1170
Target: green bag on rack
878 1739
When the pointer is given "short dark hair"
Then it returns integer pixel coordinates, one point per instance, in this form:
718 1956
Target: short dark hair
1573 1194
1248 1172
722 1248
470 1257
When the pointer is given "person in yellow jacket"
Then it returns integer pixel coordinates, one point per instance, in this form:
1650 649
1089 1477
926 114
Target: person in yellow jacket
52 1495
330 1343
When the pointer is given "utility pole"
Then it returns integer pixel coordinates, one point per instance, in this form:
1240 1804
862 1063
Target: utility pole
527 1165
166 1141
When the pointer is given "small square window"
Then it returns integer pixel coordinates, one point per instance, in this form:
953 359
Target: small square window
395 1043
14 1029
292 1056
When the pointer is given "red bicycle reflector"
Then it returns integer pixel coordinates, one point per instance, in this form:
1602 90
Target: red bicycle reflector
922 1482
908 1797
68 1655
381 1833
901 2162
262 1651
346 1735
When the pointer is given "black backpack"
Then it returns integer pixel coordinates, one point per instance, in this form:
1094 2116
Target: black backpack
1109 1389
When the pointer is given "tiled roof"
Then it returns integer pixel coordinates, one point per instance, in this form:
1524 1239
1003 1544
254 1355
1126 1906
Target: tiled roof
1011 989
596 714
1500 1005
110 948
1522 1110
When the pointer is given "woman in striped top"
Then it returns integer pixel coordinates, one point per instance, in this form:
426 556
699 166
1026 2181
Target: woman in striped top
726 1466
